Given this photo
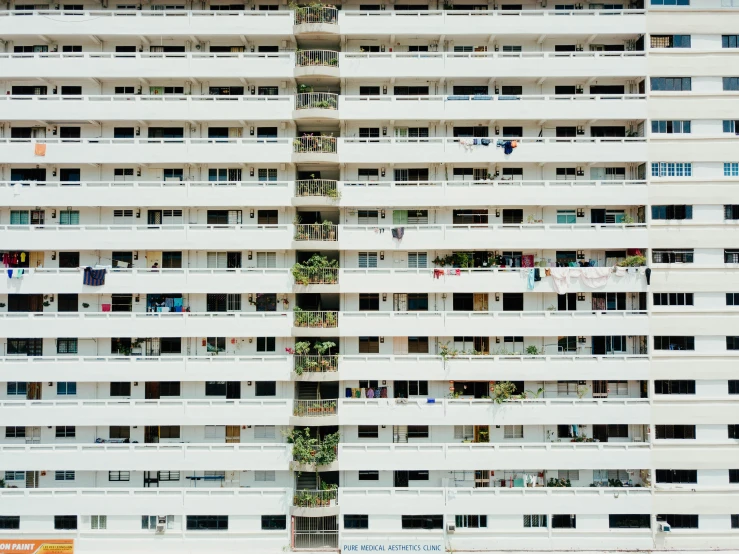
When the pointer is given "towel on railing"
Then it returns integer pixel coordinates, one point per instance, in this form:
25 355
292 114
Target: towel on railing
398 232
39 149
93 277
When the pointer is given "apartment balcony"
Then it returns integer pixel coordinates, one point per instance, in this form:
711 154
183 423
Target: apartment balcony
315 503
446 411
436 150
483 22
576 367
126 281
315 149
117 107
147 65
142 457
129 502
147 368
147 193
143 150
148 237
494 107
317 63
316 22
492 279
314 412
444 324
121 324
315 368
495 501
145 412
316 105
124 23
494 456
470 65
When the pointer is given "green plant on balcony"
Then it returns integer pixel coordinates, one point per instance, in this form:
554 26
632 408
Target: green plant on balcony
317 270
328 450
304 89
554 482
446 352
633 261
531 394
305 447
615 483
328 230
532 350
502 391
301 350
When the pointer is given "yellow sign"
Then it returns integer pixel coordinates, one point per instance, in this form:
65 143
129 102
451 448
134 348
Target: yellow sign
37 546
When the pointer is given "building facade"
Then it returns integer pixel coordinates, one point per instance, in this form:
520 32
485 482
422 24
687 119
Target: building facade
375 277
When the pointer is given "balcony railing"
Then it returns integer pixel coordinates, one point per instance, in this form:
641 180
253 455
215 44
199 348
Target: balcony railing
315 498
311 58
316 15
316 276
316 320
321 100
318 144
316 231
314 187
314 408
315 364
150 55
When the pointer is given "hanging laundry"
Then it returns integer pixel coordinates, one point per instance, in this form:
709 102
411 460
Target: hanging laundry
10 274
39 149
621 271
383 392
6 259
560 279
507 147
398 232
19 273
595 277
23 257
548 272
537 274
485 142
93 277
106 307
527 260
648 273
370 393
438 273
530 280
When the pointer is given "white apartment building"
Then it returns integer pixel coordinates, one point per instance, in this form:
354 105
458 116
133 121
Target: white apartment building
383 276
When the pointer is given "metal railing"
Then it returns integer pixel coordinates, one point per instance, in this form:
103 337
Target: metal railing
309 144
308 58
315 498
322 100
316 276
314 187
316 320
314 408
316 231
316 15
315 364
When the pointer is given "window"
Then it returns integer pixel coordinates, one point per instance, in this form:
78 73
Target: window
367 217
15 475
66 388
513 431
674 387
62 475
672 212
66 346
26 347
464 432
734 476
369 345
733 431
65 432
120 388
266 302
266 174
670 41
732 343
215 344
674 83
733 389
10 522
169 431
369 475
471 522
67 303
731 83
16 388
208 523
672 256
119 432
418 345
404 389
265 388
560 521
119 476
735 521
264 431
670 2
674 169
731 211
685 476
150 522
98 522
354 521
674 343
731 169
673 298
266 344
729 41
367 259
368 432
680 521
15 432
671 127
629 521
422 522
418 432
369 302
170 345
675 431
65 522
266 259
264 476
566 216
534 520
569 474
69 217
271 523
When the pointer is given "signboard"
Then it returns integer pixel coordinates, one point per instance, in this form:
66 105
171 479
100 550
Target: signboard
384 546
37 546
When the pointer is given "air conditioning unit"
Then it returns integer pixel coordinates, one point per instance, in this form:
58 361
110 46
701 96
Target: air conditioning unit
450 527
161 528
664 527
